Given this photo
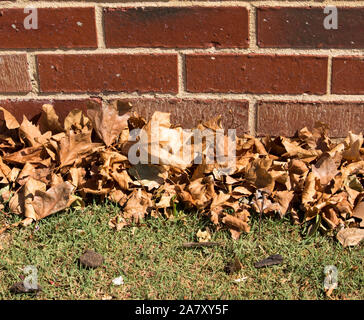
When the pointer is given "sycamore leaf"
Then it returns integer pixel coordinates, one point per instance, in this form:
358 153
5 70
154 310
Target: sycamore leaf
21 202
352 152
49 120
10 121
29 132
76 120
236 223
77 176
309 191
31 154
219 199
350 236
359 213
202 192
109 121
294 150
31 171
122 178
283 199
162 143
74 146
53 200
118 196
203 236
137 205
259 176
330 217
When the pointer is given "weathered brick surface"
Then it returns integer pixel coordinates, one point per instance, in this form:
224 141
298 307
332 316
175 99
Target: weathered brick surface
256 73
177 27
285 118
304 28
348 75
57 28
189 112
14 76
32 108
108 72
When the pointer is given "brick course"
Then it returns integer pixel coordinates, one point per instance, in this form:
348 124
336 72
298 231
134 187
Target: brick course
57 28
14 76
177 27
256 74
108 72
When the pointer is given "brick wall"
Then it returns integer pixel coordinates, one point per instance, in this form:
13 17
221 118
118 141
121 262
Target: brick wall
268 67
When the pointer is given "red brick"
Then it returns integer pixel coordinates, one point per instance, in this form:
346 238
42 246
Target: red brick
188 112
14 76
285 27
108 72
285 117
57 28
32 108
180 27
348 75
256 74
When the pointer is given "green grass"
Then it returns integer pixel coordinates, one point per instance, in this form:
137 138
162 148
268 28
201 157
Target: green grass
154 266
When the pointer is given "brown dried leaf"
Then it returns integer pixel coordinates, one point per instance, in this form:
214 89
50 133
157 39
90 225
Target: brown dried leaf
236 223
325 169
350 236
219 199
32 171
352 151
117 223
76 120
10 121
75 146
53 200
330 217
283 199
30 154
309 192
201 191
122 178
29 132
109 121
136 207
359 213
294 150
49 120
118 196
259 175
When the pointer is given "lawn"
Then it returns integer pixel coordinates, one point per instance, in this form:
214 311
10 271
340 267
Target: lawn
153 264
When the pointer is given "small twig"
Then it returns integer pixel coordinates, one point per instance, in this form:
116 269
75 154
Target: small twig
261 209
5 213
261 213
200 244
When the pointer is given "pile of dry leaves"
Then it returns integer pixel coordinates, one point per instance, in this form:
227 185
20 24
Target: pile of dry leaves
50 166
